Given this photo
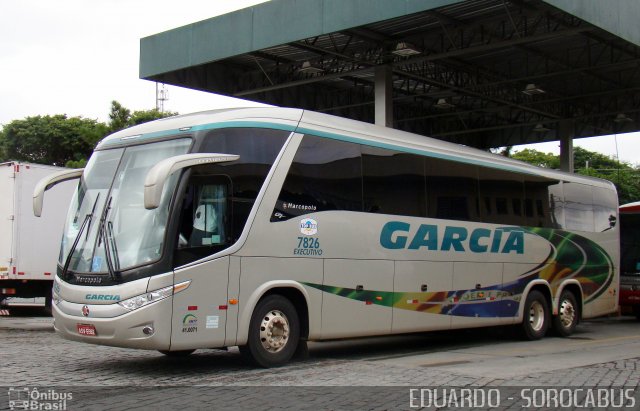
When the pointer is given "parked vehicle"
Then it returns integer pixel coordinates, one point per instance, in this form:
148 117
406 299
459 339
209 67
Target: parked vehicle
265 228
630 258
29 246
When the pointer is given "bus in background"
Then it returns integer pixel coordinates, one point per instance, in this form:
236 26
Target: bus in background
630 258
266 228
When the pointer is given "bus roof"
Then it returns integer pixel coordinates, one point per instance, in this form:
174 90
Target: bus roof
339 128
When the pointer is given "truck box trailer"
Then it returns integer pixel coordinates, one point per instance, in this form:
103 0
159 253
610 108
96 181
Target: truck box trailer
29 246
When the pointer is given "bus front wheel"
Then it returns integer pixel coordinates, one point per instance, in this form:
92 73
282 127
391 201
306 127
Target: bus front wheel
567 319
536 316
274 332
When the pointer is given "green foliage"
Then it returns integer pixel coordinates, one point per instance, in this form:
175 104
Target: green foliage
596 160
121 117
51 140
538 158
622 174
65 141
118 117
590 163
76 163
143 116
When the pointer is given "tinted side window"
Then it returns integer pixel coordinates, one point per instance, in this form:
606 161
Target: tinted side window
605 206
393 183
505 190
452 190
578 207
629 243
556 205
258 149
325 175
538 207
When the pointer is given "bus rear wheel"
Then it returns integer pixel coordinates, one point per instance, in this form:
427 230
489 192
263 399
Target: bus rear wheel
567 319
536 316
274 332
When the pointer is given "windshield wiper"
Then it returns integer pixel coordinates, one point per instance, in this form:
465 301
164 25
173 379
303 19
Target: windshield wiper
113 244
85 223
103 236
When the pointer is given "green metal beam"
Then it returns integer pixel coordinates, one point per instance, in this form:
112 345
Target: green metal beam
265 25
619 17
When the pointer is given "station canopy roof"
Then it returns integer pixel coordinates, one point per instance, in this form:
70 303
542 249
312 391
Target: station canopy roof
485 73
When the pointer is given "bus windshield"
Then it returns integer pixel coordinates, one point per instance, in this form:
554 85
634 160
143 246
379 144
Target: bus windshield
107 220
630 243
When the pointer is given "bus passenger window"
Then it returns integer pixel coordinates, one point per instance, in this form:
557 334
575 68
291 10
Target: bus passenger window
501 206
605 207
325 175
578 200
452 190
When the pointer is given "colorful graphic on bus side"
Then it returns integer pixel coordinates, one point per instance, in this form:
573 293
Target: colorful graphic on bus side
568 257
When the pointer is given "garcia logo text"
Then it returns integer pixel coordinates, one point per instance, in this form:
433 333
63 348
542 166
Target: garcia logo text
399 235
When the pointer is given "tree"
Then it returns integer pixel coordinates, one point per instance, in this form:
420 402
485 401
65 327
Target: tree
63 141
621 173
118 117
121 117
53 140
538 158
590 163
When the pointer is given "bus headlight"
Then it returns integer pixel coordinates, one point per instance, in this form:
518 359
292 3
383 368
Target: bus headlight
141 300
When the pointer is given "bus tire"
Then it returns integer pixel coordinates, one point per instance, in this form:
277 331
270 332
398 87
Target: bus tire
567 319
179 353
536 316
274 332
636 311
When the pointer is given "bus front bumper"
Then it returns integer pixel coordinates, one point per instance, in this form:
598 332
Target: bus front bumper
148 327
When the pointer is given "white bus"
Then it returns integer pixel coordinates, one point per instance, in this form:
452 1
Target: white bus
266 228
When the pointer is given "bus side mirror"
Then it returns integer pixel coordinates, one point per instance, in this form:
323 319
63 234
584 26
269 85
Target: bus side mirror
158 175
48 182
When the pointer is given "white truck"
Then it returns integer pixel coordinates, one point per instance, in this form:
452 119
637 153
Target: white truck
29 246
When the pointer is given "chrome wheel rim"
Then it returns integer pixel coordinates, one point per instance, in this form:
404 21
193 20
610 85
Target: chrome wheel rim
274 331
536 316
567 313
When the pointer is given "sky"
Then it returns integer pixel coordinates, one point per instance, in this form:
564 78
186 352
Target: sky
75 56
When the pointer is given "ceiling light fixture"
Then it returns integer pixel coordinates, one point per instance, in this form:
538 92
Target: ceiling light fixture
540 128
622 118
443 104
307 68
405 49
532 89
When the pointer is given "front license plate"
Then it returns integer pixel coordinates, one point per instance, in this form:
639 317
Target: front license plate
87 329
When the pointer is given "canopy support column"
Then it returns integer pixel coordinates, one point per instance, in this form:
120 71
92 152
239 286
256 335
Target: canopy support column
566 132
384 96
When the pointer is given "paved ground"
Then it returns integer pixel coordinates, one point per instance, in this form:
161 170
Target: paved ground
375 373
